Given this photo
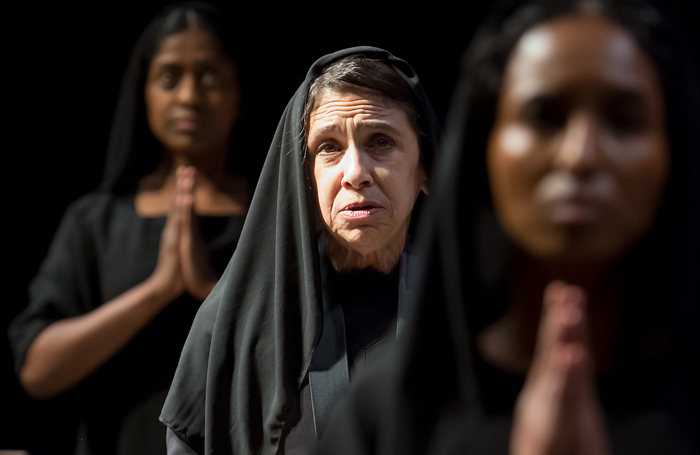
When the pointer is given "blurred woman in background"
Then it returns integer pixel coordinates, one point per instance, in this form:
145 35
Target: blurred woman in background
114 299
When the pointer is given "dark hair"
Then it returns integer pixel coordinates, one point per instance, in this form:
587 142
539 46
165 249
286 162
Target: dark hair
359 72
133 151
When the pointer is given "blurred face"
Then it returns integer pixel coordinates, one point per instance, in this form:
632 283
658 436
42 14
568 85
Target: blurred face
191 93
364 159
578 156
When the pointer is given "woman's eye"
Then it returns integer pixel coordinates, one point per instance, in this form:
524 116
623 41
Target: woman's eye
168 79
327 148
545 114
381 142
210 78
625 118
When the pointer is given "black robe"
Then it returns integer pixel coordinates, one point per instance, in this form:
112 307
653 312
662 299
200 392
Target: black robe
436 395
252 343
103 248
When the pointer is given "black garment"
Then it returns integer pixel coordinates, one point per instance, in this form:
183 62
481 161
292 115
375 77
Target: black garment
369 302
102 249
252 342
369 332
373 309
435 395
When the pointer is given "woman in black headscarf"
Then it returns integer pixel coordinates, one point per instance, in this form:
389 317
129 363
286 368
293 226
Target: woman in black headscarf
113 302
558 310
322 266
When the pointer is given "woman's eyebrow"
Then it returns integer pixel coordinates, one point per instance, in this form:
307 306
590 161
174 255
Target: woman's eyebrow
165 59
370 124
329 128
378 125
626 95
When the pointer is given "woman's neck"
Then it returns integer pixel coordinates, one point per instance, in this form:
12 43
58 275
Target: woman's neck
510 341
216 190
211 166
346 259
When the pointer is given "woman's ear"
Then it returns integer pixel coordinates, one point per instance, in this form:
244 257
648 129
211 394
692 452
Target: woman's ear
424 185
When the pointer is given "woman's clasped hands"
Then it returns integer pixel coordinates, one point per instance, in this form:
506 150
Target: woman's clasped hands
558 410
183 260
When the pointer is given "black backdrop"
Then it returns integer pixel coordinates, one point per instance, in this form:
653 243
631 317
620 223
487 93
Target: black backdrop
63 66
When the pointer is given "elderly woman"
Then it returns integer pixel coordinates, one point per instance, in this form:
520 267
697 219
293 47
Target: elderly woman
558 312
113 302
322 268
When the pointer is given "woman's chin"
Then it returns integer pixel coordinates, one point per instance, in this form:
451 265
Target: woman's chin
361 241
363 250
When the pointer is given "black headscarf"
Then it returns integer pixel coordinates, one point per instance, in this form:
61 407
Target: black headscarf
133 151
430 397
252 341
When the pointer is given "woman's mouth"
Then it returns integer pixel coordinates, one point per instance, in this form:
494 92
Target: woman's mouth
186 124
575 211
571 200
360 210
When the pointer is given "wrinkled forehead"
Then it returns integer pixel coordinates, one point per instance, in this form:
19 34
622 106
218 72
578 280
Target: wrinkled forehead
364 105
349 103
336 111
334 96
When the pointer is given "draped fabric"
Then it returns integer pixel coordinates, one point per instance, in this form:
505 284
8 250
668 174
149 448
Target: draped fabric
252 341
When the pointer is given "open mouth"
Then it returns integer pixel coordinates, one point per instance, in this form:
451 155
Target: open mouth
359 210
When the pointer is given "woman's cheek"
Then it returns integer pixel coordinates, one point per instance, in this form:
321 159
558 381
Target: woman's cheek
515 141
509 156
326 194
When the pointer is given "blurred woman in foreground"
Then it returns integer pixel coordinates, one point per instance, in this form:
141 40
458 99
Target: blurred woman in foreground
558 312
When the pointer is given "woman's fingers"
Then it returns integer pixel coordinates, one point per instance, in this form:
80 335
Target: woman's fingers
184 197
167 276
198 275
563 318
558 410
561 353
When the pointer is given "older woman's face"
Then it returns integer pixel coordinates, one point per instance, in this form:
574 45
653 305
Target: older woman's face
365 163
578 156
192 94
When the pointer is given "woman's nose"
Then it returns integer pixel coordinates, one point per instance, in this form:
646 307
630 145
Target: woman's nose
579 149
356 172
188 91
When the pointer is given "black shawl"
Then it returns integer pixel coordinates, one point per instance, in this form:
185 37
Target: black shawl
429 399
252 341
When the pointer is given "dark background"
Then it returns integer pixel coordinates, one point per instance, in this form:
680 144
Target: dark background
63 66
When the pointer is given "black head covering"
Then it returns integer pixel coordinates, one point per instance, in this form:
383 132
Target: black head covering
250 346
432 392
133 151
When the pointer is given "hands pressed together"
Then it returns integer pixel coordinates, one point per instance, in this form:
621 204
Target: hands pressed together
183 260
558 410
